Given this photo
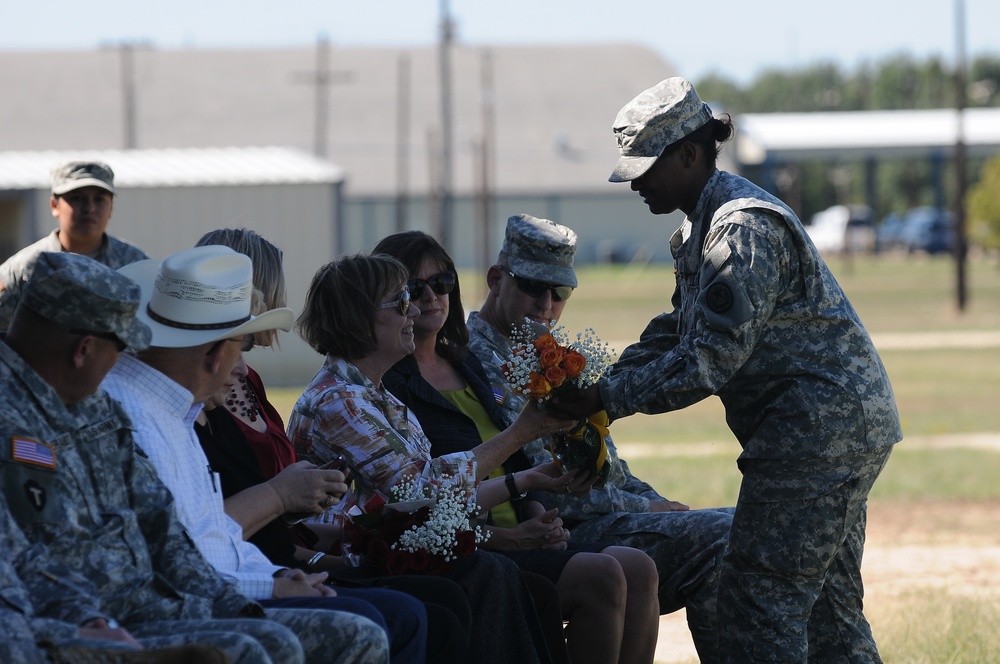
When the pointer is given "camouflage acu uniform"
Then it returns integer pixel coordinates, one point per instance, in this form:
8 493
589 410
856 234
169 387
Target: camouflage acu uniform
101 511
16 270
686 546
40 599
74 483
761 322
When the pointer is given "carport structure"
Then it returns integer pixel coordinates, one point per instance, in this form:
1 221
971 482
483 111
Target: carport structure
773 140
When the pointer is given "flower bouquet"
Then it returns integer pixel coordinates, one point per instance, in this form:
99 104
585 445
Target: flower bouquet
421 528
544 362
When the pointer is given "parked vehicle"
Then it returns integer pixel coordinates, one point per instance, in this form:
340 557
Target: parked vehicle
842 228
928 230
887 233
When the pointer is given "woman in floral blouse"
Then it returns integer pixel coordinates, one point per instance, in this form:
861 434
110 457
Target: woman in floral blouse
358 314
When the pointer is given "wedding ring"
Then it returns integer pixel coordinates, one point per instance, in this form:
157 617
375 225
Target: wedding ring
327 503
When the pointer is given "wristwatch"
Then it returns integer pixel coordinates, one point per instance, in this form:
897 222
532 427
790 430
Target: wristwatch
512 488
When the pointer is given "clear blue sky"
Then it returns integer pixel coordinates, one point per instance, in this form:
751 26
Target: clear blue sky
733 37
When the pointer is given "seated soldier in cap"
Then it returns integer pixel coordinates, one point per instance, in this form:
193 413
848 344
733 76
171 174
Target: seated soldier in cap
82 198
74 483
534 278
197 303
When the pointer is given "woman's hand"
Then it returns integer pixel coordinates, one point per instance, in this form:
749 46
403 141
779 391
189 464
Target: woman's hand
542 532
534 422
548 477
304 488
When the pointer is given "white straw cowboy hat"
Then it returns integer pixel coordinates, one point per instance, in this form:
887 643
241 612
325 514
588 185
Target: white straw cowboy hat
200 295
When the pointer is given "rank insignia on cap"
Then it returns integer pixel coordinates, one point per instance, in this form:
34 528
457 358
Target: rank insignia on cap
30 451
499 394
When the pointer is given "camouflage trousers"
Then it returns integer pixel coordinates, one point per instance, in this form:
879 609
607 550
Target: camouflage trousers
94 651
329 637
790 585
687 548
245 640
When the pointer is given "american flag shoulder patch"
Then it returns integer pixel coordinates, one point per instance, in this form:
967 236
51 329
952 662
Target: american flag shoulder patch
30 451
499 394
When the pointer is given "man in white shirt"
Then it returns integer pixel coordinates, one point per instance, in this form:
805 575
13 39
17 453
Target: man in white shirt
197 303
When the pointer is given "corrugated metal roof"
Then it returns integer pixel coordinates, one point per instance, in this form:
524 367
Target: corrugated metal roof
194 167
860 134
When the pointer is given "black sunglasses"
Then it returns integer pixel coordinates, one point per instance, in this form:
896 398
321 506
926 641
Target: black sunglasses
402 303
441 283
110 336
538 288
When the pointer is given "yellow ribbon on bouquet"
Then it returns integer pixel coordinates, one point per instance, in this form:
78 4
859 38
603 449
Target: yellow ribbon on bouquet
567 450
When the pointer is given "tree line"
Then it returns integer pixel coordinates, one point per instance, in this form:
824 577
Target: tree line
898 82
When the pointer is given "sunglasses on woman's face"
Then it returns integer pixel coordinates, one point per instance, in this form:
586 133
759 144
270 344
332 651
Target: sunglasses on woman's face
441 283
538 288
402 303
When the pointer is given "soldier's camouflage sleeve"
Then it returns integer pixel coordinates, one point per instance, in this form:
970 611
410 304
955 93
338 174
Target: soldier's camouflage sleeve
53 599
659 336
741 264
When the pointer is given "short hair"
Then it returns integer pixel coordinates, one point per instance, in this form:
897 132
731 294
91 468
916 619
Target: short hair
268 270
339 314
411 248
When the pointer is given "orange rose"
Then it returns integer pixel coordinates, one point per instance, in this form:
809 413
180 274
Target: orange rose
573 363
538 387
555 376
550 357
545 341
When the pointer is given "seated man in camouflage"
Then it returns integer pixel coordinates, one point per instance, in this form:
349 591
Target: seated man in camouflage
51 614
74 481
533 277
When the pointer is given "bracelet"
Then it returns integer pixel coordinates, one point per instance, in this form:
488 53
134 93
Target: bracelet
512 488
315 559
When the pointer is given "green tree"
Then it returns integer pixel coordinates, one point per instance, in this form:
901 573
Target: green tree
983 205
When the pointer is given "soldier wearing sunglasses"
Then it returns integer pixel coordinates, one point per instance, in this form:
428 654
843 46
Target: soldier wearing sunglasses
533 278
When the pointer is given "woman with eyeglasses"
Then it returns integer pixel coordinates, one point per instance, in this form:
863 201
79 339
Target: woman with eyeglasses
607 593
244 439
358 313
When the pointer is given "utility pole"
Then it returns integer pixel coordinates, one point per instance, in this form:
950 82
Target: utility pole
322 95
488 106
960 248
447 132
127 57
402 140
322 78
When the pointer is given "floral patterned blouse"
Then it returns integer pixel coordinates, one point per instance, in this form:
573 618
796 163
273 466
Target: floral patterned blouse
343 412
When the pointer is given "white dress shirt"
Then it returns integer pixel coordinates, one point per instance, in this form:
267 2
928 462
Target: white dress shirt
163 413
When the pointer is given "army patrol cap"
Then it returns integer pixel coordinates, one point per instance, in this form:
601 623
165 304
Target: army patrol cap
81 294
655 119
540 249
77 174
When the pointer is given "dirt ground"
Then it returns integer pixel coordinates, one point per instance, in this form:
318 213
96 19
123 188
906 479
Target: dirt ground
950 547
